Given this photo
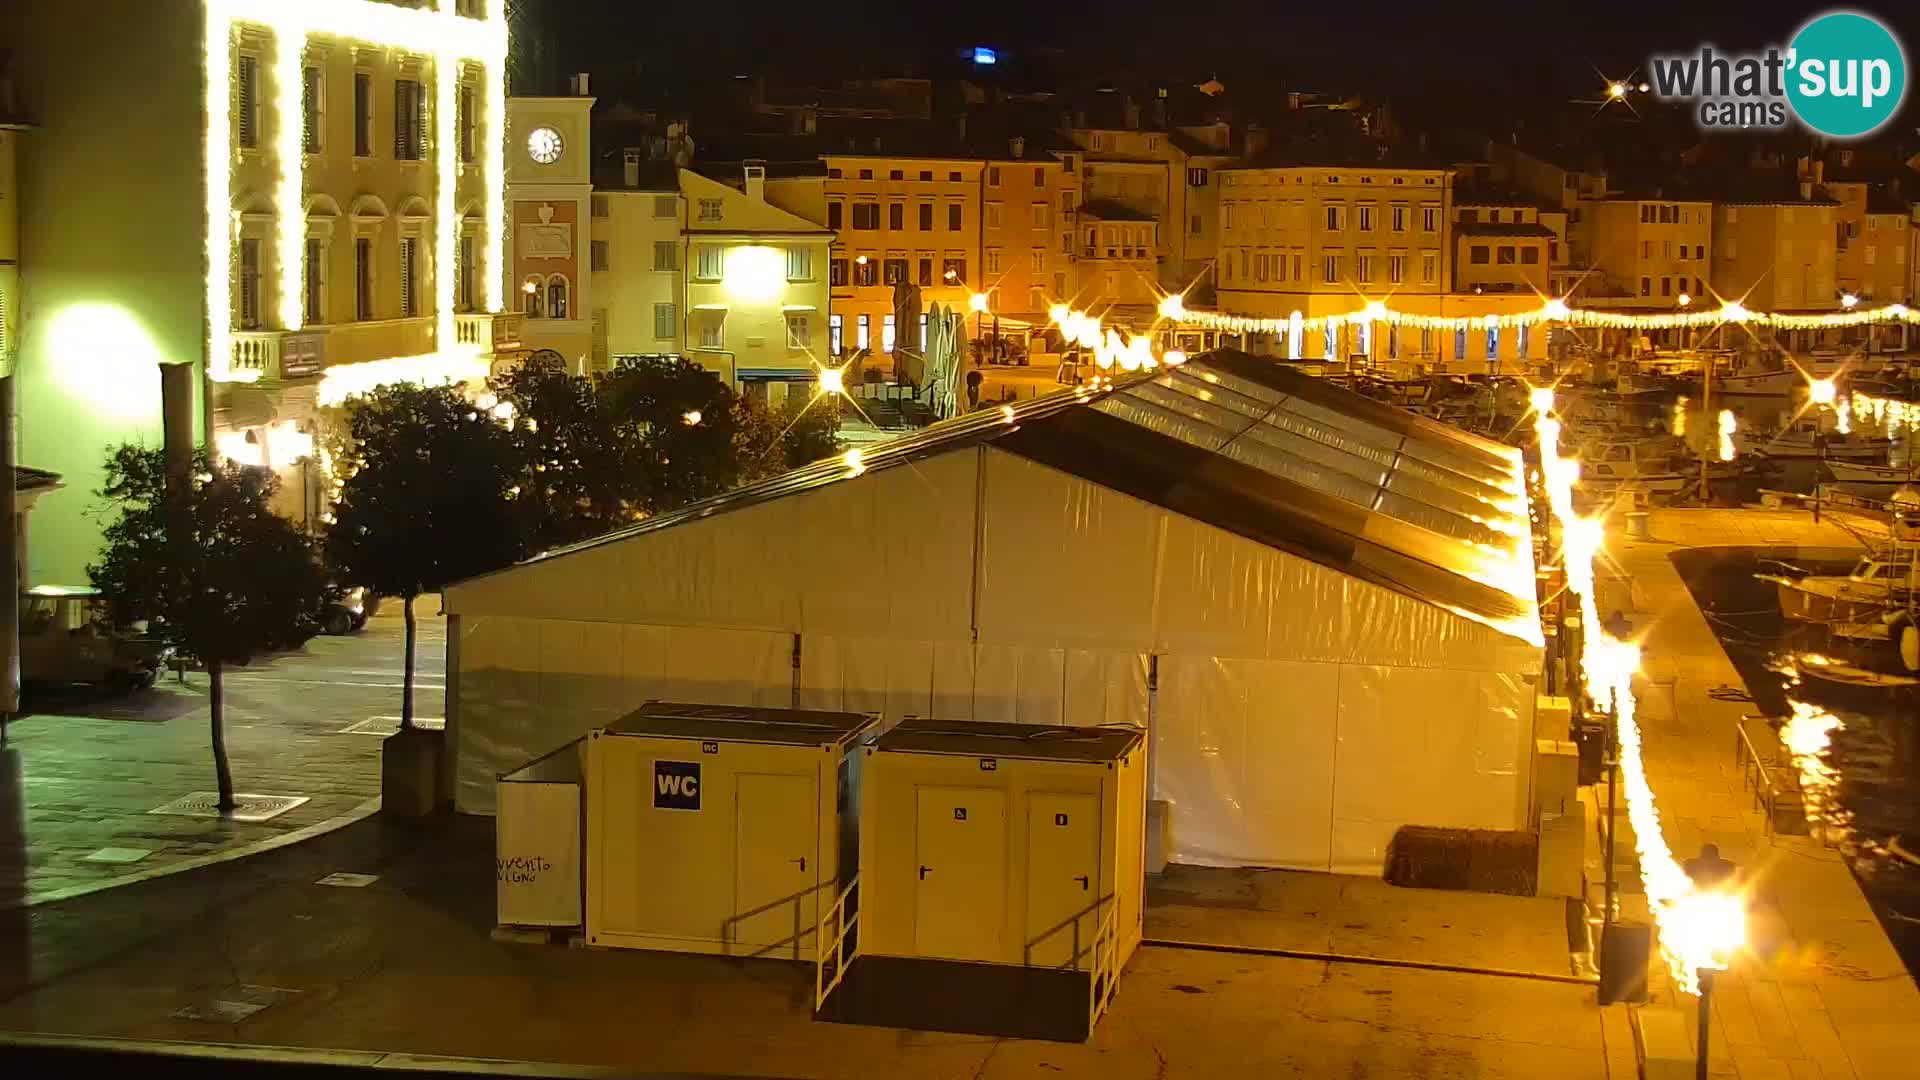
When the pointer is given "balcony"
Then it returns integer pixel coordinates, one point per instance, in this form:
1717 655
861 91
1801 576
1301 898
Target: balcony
493 333
277 354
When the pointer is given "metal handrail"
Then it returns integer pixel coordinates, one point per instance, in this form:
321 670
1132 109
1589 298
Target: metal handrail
1102 976
835 946
1753 772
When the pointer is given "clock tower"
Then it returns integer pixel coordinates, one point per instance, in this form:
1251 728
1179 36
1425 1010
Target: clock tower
550 210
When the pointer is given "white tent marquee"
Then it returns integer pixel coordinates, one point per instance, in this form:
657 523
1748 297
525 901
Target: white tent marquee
1321 607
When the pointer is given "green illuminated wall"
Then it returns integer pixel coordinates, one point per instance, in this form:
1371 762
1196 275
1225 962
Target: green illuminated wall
112 278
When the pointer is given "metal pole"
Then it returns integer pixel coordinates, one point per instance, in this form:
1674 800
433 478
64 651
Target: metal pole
1706 1017
1706 417
1613 805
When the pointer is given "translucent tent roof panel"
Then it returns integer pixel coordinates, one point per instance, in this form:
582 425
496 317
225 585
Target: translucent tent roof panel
1257 449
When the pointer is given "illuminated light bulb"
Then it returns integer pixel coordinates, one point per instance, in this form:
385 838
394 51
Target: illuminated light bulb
1138 354
831 381
1375 310
854 462
1821 391
529 288
977 301
1173 306
1541 399
1734 311
1617 90
754 272
1173 357
1006 413
1683 300
1491 322
860 260
1680 417
691 417
503 411
1058 314
287 444
951 275
1849 301
1728 425
1645 88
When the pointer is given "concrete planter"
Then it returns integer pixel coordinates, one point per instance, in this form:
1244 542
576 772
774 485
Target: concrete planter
410 765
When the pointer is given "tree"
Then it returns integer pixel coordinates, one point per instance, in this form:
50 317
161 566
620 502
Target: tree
577 471
770 441
677 422
229 581
427 499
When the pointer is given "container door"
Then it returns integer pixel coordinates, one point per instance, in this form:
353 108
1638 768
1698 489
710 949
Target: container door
776 855
1063 878
960 905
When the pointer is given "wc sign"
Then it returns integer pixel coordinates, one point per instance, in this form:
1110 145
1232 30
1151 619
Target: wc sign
676 785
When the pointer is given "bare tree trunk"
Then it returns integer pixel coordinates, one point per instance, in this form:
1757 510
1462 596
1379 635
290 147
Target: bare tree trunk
216 702
406 683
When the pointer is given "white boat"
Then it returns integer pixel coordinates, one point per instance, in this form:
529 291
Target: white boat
1798 442
1647 465
1752 378
1862 595
1853 472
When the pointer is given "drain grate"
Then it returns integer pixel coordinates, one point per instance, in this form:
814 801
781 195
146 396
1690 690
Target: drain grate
389 725
235 1004
119 856
246 808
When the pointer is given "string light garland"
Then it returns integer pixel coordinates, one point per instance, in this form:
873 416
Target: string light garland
441 34
1552 311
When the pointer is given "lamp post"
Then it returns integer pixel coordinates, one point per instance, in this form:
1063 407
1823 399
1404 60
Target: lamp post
1613 807
1705 975
978 302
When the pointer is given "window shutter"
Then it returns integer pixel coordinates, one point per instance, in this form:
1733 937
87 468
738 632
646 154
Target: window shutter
420 120
310 110
406 277
402 110
245 89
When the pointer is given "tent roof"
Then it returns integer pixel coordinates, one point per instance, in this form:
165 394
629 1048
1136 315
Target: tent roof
1259 450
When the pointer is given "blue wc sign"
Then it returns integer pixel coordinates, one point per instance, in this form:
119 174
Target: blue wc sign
676 785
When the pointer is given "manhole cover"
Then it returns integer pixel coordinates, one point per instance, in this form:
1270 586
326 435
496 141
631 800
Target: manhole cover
349 881
119 855
234 1005
246 808
388 725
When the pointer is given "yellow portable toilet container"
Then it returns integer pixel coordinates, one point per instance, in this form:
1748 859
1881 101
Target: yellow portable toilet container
717 829
1001 877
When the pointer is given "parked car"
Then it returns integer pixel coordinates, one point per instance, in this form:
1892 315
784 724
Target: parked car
65 638
348 612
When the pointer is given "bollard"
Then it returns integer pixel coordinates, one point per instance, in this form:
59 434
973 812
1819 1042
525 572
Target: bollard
1637 524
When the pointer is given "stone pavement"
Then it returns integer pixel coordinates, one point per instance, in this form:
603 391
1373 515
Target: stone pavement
405 964
81 771
1830 998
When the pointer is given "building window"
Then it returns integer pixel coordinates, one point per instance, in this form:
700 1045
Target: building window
1396 268
833 216
1333 219
799 264
799 330
894 272
1478 254
1399 218
866 216
1037 262
953 217
896 215
866 174
953 271
466 269
1196 177
926 217
246 104
1330 268
1666 286
362 114
250 304
860 328
1521 339
666 255
666 206
310 104
666 324
1066 202
1505 255
1328 348
953 178
925 275
533 298
468 120
710 210
1429 219
712 262
409 121
409 277
864 271
363 279
1363 268
1042 216
833 174
992 212
1195 228
599 206
1530 255
1460 343
833 334
993 176
713 330
887 338
896 175
1646 286
836 271
992 256
597 254
1493 342
926 175
1036 299
314 306
1366 218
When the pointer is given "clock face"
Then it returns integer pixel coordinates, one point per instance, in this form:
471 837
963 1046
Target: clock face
544 145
